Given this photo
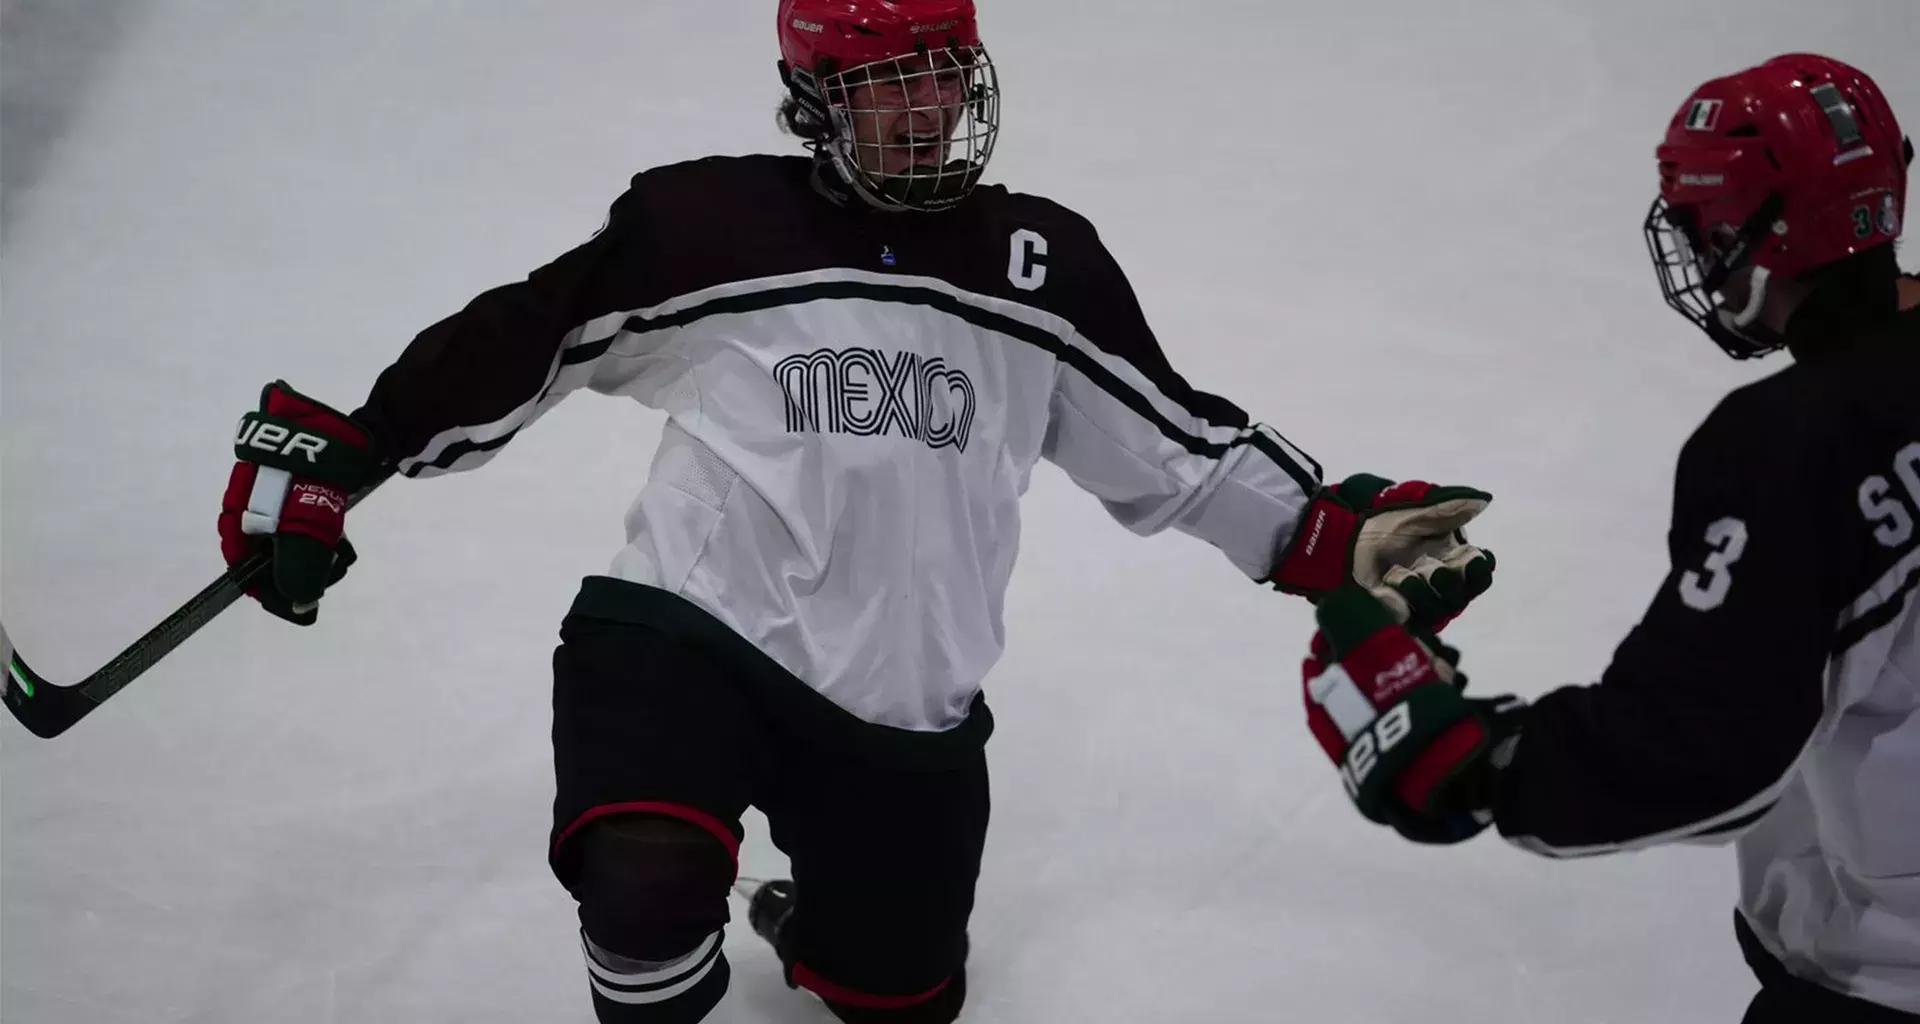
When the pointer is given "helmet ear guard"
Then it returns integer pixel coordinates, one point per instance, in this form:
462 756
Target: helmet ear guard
813 116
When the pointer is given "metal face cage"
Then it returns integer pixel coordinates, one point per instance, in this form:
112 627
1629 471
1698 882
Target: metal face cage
1692 272
914 132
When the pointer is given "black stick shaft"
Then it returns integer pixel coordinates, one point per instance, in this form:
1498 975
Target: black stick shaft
47 710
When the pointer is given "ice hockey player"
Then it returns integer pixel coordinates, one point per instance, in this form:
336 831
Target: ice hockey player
862 356
1769 696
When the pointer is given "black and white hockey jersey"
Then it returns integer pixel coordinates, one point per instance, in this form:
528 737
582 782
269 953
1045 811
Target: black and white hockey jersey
855 403
1771 695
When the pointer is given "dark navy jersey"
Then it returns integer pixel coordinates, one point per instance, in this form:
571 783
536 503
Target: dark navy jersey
1769 694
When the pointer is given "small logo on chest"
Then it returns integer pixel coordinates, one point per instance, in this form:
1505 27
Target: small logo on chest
866 392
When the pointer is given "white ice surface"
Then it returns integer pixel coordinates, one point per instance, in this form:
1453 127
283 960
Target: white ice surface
1406 233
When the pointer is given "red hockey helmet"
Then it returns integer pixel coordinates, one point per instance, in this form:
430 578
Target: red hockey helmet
901 92
1784 168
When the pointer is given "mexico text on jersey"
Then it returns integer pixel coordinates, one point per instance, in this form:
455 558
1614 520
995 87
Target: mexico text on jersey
856 401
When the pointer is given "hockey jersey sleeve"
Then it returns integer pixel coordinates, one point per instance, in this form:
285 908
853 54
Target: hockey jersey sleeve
1159 453
467 384
1697 725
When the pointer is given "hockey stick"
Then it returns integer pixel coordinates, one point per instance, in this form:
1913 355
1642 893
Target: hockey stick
47 709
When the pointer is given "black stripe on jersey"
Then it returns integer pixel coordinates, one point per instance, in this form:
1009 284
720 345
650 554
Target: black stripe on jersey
454 452
1879 618
589 352
1037 337
1278 455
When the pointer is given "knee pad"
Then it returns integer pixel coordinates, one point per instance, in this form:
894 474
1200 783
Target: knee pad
651 887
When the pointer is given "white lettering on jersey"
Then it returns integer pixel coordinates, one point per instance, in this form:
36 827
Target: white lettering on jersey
1906 465
1877 502
868 393
1026 266
1893 518
1705 593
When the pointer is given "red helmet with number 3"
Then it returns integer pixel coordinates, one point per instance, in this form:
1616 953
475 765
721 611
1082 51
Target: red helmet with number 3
1785 168
899 94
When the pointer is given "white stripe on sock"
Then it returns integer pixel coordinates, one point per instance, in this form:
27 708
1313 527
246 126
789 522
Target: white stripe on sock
684 973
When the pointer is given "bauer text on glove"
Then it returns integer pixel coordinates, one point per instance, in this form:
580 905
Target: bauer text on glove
297 463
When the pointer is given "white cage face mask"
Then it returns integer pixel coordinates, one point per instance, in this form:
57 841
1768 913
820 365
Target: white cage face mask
915 132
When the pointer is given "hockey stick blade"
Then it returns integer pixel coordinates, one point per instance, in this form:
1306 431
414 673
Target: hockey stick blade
48 709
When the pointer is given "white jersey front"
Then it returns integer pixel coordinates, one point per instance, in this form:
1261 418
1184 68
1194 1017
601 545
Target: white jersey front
1830 878
856 403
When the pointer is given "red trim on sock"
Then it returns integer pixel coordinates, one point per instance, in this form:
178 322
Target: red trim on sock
681 811
804 977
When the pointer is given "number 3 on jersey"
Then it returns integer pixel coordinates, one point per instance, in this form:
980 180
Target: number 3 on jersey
1707 590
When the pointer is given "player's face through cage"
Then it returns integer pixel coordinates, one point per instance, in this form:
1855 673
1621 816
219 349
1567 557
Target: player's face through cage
1694 275
917 129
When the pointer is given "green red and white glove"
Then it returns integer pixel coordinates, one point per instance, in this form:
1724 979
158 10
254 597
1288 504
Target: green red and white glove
1386 705
1405 543
298 462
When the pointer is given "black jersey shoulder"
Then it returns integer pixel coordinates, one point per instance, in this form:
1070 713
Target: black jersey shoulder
1080 275
1859 394
757 229
1085 285
719 220
1800 447
739 220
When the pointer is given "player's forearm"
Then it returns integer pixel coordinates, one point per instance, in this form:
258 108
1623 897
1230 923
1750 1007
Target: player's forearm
480 367
465 385
1601 769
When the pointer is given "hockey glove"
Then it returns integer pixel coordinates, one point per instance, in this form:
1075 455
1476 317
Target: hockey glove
298 462
1386 705
1403 542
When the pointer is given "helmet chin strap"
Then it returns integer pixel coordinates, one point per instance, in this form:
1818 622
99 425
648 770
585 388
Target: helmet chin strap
847 167
1745 325
1756 298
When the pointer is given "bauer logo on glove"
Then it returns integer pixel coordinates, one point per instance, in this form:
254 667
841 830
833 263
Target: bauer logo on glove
272 437
298 461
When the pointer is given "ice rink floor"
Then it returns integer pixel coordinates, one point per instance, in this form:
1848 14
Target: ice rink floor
1405 233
